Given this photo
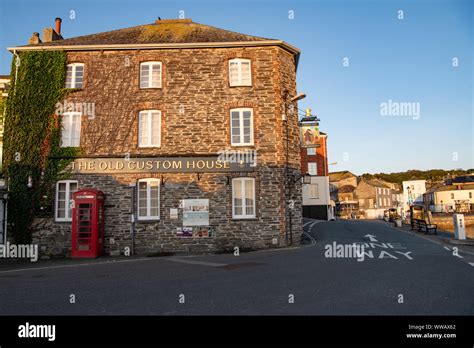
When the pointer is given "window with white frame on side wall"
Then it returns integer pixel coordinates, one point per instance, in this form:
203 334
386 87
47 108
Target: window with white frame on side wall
311 151
240 72
75 75
312 168
243 198
148 199
241 126
149 128
150 75
64 191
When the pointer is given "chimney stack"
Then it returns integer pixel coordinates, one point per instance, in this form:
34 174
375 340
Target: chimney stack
58 25
50 34
34 39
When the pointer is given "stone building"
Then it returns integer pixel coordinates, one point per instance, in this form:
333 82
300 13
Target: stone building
166 110
373 197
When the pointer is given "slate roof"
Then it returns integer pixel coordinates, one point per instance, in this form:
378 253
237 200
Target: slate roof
167 31
336 176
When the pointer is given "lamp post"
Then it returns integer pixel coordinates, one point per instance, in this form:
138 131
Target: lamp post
287 100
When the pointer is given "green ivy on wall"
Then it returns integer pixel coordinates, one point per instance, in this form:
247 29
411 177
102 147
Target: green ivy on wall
32 135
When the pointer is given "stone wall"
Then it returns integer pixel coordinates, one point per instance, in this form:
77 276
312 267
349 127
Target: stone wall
195 101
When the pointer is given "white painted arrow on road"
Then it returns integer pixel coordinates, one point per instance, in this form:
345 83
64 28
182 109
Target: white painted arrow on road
372 237
471 263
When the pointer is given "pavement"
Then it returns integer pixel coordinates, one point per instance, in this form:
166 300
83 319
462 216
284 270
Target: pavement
402 273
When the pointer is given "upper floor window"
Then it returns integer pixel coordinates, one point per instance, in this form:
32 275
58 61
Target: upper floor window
313 191
75 75
149 128
241 124
150 75
71 129
311 151
149 199
312 168
240 72
64 191
243 198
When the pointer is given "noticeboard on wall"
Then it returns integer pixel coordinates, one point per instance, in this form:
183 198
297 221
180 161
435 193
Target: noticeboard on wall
196 212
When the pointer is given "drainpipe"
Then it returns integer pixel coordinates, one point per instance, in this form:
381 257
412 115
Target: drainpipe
17 64
132 218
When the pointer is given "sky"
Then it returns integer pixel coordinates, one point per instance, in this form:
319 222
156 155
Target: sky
391 81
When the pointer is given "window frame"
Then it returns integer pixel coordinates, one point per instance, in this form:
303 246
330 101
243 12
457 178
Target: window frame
149 127
148 217
150 71
241 127
315 167
74 77
310 192
239 82
68 195
70 115
244 214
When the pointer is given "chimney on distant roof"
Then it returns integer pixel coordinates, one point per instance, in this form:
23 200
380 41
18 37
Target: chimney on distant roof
50 34
34 39
58 25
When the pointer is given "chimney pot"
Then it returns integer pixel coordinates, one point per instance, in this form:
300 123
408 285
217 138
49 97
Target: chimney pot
58 25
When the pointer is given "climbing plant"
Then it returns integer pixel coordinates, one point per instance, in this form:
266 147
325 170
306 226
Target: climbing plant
32 138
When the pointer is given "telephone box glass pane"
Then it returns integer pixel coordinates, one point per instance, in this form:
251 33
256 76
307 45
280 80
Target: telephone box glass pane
84 228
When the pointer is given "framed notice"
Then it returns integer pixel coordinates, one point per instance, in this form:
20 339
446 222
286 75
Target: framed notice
195 212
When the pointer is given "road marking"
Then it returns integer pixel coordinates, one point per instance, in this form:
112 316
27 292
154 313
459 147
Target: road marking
371 237
202 263
311 238
77 265
471 263
429 240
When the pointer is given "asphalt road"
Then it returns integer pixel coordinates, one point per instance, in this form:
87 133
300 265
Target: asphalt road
409 276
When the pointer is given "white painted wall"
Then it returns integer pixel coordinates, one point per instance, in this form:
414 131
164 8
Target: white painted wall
417 188
323 189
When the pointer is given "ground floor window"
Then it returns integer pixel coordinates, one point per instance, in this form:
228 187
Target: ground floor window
243 198
64 191
149 199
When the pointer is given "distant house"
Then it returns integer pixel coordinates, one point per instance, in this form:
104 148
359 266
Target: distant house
346 204
316 197
454 195
373 198
342 178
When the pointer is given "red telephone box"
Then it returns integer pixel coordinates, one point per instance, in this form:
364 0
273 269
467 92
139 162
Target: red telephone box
87 224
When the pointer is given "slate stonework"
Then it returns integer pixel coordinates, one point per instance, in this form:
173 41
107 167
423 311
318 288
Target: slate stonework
195 101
